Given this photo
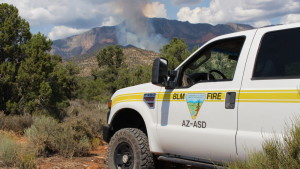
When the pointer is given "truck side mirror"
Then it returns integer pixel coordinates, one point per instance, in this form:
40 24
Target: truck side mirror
160 72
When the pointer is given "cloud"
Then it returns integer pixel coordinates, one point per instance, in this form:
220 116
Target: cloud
36 15
186 2
291 18
59 32
255 12
83 13
155 10
63 18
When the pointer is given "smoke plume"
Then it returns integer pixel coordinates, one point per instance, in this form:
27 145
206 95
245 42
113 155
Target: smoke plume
136 29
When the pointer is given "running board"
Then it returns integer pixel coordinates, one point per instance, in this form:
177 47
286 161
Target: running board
189 162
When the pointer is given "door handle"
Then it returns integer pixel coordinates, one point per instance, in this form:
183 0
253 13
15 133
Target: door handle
230 100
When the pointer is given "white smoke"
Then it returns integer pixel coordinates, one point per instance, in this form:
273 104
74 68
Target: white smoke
136 29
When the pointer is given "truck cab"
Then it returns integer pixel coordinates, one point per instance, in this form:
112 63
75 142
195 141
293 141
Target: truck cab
221 103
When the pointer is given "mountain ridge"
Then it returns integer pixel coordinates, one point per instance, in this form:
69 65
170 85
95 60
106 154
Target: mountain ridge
90 42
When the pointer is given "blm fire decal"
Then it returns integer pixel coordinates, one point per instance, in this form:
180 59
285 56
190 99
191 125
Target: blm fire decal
194 102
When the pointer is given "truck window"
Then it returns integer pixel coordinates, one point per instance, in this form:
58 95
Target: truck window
279 55
217 62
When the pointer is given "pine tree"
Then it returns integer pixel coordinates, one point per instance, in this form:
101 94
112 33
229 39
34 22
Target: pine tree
14 34
114 70
175 51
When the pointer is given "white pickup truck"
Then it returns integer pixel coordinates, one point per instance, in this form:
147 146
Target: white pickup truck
222 102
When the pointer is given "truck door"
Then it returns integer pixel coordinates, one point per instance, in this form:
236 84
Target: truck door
270 93
199 118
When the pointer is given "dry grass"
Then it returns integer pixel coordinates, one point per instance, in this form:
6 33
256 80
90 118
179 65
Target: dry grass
15 123
15 154
275 154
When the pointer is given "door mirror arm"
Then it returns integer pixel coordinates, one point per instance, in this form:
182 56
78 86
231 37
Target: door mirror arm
173 79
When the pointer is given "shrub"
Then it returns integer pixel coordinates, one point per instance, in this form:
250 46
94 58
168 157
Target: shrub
95 143
74 136
8 150
66 139
27 160
275 153
87 116
39 133
16 123
13 154
68 142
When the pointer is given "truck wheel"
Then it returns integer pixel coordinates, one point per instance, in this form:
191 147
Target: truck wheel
129 149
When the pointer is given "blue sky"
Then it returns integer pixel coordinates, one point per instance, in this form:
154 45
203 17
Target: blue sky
62 18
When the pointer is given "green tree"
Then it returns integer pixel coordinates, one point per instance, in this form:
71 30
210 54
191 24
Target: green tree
14 34
175 51
113 73
43 82
112 64
31 79
141 74
93 90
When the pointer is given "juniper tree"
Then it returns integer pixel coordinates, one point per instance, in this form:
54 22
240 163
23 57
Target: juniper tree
31 79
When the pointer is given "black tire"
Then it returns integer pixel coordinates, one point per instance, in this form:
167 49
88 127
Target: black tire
129 149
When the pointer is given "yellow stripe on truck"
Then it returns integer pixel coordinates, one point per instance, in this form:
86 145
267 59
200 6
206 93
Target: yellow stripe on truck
272 96
275 96
128 98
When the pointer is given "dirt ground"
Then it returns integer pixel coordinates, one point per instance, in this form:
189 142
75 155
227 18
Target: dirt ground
95 160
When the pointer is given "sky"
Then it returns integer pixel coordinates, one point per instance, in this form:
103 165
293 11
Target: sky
62 18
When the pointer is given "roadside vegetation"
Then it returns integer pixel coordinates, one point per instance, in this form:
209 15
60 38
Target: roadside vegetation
276 153
23 138
13 153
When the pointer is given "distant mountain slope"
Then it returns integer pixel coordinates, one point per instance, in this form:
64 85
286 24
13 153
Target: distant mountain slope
194 34
85 43
133 56
91 42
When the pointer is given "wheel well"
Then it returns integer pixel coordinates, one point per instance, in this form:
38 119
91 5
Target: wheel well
127 118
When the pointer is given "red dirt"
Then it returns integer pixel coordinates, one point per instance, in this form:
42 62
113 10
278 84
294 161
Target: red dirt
95 160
